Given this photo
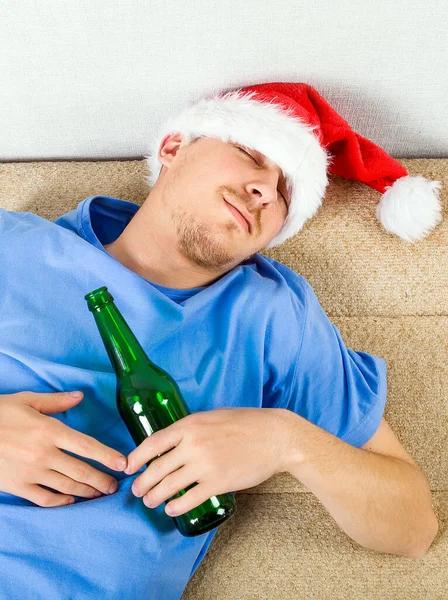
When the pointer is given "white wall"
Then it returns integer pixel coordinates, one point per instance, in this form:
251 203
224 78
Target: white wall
91 79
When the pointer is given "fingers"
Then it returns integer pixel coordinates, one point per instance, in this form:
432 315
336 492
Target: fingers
67 486
157 471
31 452
83 475
52 402
79 443
44 498
197 495
155 445
171 485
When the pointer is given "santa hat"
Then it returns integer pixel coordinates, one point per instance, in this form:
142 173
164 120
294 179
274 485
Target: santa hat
292 125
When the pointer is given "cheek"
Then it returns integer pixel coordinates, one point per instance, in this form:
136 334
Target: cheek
275 220
283 214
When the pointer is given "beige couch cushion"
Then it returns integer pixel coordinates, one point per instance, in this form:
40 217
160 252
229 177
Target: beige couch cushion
387 297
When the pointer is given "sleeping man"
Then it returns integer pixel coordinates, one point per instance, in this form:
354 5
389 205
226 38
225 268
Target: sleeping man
268 379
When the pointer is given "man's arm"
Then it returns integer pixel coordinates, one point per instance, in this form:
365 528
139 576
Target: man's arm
380 501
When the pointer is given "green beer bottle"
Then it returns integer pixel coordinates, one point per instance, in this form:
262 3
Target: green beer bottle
148 399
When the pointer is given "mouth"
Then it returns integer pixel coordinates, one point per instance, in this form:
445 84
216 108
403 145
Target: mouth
244 223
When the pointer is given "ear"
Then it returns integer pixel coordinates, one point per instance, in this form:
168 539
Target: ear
169 147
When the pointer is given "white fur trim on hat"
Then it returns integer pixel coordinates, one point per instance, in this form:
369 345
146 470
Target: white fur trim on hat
267 128
410 208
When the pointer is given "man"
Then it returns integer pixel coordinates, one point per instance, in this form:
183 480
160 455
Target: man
267 377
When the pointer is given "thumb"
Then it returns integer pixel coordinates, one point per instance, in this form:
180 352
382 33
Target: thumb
53 402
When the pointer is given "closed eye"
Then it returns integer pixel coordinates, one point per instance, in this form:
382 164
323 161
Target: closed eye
287 205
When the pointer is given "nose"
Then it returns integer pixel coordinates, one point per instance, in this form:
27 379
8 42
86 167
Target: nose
262 193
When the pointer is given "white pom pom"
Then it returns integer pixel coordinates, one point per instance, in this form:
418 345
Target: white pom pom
410 208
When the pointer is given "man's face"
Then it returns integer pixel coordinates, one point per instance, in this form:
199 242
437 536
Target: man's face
194 181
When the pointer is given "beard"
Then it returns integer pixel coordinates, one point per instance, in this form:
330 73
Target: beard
200 244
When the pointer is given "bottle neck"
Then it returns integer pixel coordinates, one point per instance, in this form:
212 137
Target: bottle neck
123 348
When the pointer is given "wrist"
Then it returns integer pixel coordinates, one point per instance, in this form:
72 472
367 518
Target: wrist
292 456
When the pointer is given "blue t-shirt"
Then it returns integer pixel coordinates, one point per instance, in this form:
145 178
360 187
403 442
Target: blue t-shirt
256 337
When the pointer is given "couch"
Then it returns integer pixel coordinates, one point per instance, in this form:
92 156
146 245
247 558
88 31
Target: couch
387 297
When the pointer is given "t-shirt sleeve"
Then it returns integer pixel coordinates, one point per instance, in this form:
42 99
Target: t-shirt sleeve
338 389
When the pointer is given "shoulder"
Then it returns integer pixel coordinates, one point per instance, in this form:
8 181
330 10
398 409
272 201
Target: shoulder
289 285
284 310
23 220
23 233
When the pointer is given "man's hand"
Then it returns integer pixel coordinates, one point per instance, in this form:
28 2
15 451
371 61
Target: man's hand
31 446
223 450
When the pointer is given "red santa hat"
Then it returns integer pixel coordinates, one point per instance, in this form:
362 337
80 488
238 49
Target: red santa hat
292 125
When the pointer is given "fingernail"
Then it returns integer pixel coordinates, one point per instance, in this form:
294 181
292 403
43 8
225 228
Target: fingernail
75 394
113 488
97 494
121 462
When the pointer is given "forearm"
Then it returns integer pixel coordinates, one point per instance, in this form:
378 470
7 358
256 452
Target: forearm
381 502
